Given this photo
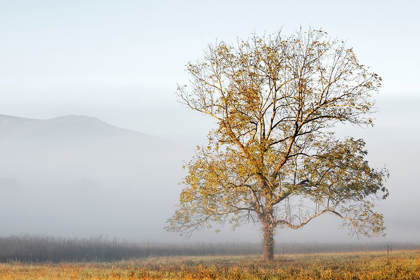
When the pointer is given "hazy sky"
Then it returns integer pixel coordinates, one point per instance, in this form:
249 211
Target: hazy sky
120 61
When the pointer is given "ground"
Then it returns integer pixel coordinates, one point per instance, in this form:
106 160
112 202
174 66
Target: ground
371 265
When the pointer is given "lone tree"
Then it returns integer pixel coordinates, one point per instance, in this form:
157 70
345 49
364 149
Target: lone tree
273 158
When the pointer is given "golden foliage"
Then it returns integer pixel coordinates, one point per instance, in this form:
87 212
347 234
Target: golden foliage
272 157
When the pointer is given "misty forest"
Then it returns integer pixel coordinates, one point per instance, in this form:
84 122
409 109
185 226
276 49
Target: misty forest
275 155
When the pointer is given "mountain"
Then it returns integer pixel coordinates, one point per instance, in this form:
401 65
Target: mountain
64 126
79 176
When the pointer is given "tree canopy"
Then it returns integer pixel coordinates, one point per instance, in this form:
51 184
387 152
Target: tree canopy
273 157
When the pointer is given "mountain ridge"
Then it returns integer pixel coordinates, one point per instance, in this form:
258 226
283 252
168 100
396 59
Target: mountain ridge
62 126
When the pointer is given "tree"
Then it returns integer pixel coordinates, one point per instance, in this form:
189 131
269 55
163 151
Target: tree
273 158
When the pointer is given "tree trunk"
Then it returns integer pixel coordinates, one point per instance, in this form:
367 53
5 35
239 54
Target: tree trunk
268 240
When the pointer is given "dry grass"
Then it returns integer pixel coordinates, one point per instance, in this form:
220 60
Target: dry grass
375 265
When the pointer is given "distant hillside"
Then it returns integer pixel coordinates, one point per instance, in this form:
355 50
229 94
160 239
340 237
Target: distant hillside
79 176
64 126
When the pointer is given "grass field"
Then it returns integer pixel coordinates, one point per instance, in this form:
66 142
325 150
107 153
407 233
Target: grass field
371 265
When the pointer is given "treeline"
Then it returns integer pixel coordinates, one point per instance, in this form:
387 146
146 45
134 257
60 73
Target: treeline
101 249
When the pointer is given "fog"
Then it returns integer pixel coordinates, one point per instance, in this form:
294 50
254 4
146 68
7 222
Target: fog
92 138
76 176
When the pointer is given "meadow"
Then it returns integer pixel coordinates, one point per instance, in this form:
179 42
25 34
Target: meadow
364 265
43 257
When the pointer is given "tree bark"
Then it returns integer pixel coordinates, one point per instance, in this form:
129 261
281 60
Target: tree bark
268 240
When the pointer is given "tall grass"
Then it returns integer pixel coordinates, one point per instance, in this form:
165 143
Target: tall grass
338 266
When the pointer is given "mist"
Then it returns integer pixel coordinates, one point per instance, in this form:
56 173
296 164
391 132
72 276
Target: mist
77 176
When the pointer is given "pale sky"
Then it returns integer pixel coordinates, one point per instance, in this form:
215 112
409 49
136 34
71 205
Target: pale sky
120 61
